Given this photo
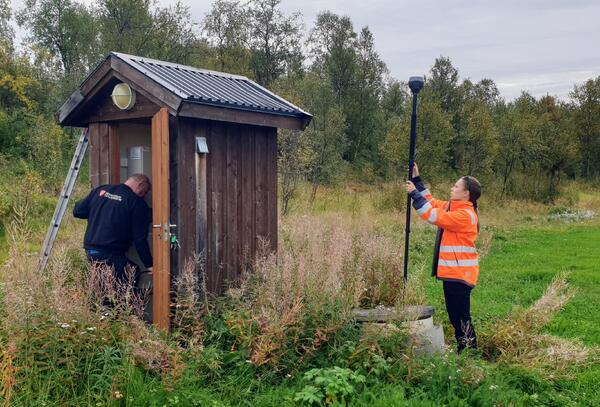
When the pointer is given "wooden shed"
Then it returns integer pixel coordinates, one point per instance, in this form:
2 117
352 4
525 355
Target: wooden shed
207 140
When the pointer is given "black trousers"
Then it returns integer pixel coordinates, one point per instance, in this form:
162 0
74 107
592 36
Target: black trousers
458 305
119 263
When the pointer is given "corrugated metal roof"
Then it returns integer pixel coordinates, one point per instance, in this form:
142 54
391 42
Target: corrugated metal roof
211 87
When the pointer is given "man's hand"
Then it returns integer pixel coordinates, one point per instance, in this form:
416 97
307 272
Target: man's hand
409 186
415 170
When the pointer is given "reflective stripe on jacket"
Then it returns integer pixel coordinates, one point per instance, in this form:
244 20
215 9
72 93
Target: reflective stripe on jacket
455 255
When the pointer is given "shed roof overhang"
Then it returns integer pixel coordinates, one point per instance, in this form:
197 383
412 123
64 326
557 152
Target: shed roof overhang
79 109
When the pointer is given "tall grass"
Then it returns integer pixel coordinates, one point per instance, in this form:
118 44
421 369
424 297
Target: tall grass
295 302
60 343
292 313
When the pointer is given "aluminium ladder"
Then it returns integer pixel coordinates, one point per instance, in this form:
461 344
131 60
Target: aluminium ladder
63 199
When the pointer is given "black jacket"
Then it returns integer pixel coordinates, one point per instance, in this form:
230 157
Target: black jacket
117 217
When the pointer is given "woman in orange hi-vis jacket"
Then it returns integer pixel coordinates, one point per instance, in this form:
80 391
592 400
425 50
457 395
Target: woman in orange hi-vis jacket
455 259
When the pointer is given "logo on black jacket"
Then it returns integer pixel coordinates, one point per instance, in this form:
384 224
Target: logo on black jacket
108 195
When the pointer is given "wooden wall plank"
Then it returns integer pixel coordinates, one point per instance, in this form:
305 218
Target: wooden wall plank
201 206
248 243
104 153
272 215
240 204
209 212
211 265
186 200
217 163
94 154
232 203
261 186
114 153
224 199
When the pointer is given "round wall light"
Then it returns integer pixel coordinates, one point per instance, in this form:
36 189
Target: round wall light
123 96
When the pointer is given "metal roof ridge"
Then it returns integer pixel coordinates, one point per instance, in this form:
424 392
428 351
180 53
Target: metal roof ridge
155 77
178 66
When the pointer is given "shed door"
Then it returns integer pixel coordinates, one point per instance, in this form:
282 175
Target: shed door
160 219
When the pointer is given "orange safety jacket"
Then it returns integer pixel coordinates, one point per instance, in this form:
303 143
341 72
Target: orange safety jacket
455 256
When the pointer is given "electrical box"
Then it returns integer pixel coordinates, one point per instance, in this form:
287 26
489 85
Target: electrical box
201 146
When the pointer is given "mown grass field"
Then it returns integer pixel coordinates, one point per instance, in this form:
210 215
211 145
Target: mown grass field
260 350
524 261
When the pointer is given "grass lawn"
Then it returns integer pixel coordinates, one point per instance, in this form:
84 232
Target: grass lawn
515 273
520 266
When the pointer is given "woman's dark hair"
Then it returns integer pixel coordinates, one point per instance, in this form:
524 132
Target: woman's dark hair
474 188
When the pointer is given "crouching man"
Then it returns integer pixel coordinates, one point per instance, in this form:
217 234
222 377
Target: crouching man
117 217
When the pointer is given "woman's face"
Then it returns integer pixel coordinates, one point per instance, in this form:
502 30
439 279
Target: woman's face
458 191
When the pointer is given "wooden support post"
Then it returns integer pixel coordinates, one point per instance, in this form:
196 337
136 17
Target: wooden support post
161 280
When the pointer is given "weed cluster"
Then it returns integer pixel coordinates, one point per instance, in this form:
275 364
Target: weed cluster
518 338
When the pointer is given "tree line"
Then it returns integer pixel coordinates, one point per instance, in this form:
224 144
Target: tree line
520 148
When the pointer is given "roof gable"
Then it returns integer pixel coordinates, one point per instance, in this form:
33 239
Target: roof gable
180 87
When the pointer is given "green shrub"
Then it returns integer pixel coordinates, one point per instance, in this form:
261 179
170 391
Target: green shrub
391 197
329 386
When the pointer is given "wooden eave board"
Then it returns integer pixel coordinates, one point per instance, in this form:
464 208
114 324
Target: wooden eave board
224 114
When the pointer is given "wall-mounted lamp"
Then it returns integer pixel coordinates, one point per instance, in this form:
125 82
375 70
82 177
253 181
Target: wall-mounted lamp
123 96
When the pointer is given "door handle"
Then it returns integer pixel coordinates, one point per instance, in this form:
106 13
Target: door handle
166 228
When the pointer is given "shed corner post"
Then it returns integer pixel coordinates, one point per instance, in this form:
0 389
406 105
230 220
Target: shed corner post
160 220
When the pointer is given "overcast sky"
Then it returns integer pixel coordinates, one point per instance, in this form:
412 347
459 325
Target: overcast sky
543 46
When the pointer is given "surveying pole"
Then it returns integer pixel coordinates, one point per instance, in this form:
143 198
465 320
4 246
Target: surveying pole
415 83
